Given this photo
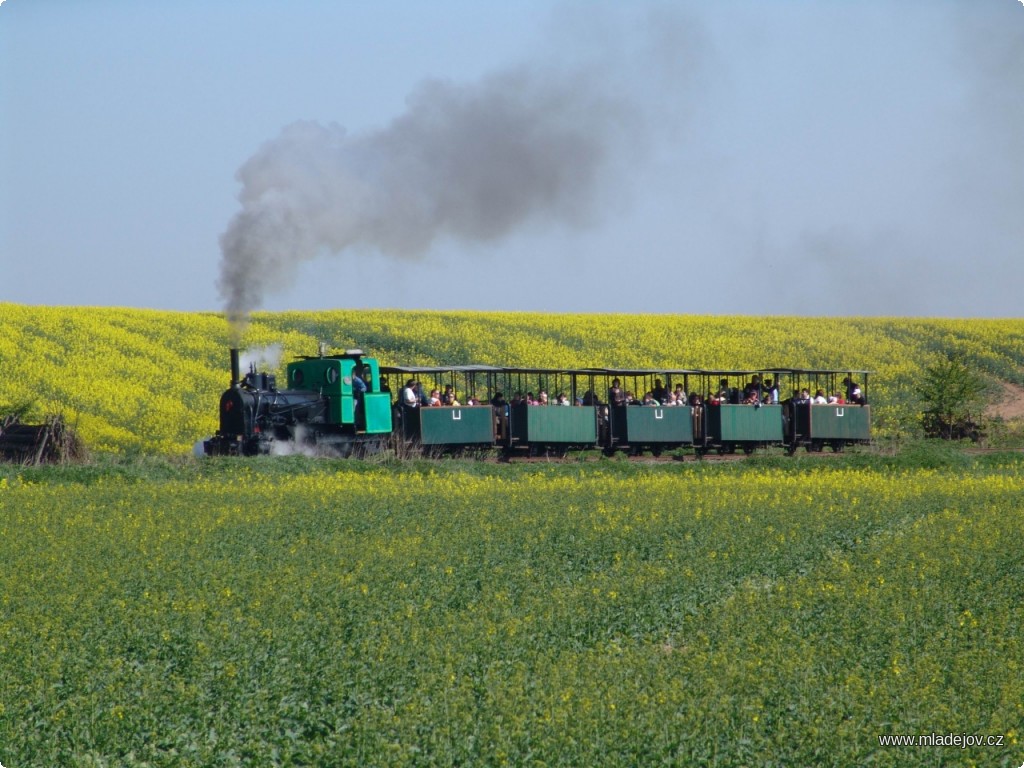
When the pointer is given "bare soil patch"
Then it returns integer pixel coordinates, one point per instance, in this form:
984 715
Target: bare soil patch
1008 403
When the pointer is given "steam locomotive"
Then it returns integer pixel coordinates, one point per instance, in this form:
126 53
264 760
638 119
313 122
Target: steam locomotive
342 404
322 406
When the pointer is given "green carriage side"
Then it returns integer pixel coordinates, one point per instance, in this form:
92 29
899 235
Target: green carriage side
494 418
656 427
844 419
738 410
469 424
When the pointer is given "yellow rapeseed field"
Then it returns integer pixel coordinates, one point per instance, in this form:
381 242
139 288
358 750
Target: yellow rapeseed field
143 380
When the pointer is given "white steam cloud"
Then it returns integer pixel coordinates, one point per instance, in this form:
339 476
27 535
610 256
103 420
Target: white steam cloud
264 358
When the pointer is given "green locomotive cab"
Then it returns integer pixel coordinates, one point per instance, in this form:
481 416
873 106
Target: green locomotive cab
356 408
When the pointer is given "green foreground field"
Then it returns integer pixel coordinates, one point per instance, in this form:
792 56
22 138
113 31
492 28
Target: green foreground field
288 612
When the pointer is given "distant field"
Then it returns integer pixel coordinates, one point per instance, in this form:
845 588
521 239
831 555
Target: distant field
148 381
288 612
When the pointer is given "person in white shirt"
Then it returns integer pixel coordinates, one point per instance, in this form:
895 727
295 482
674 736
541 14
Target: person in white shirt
409 397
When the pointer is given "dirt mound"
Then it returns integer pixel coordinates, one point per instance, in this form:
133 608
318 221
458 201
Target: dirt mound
1008 402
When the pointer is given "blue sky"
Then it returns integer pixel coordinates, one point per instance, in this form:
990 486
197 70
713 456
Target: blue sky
785 157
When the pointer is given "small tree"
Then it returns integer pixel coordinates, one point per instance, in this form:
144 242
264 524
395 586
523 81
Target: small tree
952 392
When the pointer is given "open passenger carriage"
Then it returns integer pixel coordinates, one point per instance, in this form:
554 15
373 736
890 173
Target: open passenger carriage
843 419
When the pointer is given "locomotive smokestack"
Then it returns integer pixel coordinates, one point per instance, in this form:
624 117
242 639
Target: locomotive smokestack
235 370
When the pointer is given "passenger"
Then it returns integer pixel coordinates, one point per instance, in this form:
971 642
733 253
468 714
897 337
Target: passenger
615 394
819 397
589 398
410 399
542 398
831 400
803 397
530 400
659 392
517 399
669 400
726 394
853 393
649 399
680 395
448 398
838 398
753 389
772 390
695 400
422 394
435 398
631 399
562 399
500 412
470 401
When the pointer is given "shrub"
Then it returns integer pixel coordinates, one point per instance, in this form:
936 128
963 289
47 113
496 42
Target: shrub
952 392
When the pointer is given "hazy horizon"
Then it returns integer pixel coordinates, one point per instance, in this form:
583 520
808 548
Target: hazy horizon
736 158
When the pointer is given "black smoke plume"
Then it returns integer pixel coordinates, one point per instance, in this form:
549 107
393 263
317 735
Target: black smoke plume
470 162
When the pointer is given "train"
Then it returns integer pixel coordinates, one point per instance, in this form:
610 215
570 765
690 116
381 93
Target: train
350 404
